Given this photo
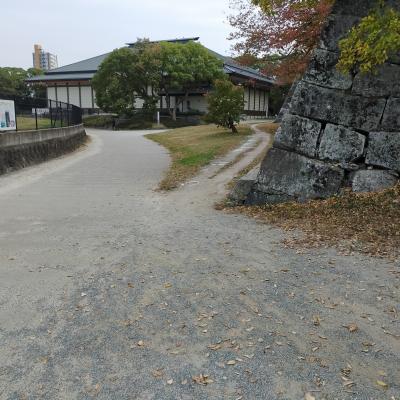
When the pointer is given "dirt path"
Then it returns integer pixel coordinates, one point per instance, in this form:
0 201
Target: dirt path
110 290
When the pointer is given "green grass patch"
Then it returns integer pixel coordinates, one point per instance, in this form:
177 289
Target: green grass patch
192 148
29 123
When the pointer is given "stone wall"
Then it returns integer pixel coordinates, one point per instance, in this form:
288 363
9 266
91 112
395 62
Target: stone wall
20 149
341 131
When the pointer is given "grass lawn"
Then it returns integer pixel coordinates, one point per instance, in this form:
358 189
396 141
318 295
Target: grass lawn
28 123
194 147
363 222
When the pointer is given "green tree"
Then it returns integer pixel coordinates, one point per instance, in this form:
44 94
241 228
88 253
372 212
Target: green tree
372 42
183 67
123 77
12 81
225 104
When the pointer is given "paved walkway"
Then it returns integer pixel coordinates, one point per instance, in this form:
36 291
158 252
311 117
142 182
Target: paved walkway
110 290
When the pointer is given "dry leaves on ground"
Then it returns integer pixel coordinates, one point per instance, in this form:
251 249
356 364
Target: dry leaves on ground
362 222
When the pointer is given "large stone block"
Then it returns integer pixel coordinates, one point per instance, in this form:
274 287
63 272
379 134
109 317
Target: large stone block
383 82
298 134
341 144
337 107
243 187
384 150
391 117
322 71
372 180
291 175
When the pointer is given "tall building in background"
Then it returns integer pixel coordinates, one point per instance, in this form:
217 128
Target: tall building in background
43 59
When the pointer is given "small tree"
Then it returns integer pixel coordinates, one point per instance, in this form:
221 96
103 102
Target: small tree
225 104
125 75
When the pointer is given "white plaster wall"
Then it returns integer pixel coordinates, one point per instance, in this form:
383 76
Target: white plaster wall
94 99
51 93
74 95
86 95
62 94
198 103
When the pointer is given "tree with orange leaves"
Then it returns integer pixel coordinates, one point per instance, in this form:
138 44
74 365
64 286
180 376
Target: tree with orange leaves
283 33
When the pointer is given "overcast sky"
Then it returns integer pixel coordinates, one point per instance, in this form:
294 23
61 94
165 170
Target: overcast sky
79 29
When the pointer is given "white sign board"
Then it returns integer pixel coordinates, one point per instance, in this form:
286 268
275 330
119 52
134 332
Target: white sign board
7 115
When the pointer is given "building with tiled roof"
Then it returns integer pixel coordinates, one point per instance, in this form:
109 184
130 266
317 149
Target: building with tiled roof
72 84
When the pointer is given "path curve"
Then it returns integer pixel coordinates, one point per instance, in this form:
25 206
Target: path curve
111 290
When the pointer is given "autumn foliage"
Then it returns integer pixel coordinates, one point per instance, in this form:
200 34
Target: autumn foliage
283 33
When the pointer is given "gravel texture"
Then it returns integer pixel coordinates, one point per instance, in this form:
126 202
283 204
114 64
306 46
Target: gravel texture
110 290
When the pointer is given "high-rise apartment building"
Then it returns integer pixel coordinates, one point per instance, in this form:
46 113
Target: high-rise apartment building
43 59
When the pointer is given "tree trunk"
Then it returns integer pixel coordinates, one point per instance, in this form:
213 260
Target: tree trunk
340 129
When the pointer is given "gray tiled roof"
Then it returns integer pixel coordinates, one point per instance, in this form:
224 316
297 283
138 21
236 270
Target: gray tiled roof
85 69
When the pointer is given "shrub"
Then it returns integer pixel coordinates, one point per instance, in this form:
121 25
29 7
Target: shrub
225 104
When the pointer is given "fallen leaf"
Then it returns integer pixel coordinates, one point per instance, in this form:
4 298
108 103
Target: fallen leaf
158 373
170 381
202 379
167 285
316 320
309 396
231 362
140 343
215 347
382 384
352 328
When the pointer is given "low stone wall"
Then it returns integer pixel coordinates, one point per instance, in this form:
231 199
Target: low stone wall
21 149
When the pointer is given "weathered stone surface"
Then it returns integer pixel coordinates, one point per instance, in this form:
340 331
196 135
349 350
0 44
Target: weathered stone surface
258 197
286 104
299 134
285 173
337 107
341 144
322 71
336 27
372 180
391 117
384 150
243 187
383 82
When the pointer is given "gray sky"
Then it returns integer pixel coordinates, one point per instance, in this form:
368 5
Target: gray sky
79 29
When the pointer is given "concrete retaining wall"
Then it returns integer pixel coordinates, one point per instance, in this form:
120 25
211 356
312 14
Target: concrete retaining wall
20 149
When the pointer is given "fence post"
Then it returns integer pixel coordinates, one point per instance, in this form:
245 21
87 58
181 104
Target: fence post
15 113
36 118
68 116
51 115
61 115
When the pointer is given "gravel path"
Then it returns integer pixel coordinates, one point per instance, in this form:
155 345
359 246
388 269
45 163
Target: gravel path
110 290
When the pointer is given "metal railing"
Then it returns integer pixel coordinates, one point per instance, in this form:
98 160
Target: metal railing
35 113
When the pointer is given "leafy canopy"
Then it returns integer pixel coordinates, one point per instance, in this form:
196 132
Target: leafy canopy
225 104
12 82
372 42
148 70
117 83
284 34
